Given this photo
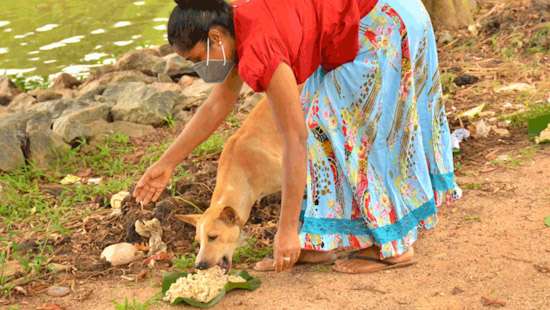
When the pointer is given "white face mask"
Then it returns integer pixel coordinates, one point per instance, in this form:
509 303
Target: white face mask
214 71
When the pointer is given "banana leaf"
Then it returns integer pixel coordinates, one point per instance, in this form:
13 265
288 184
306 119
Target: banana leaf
169 278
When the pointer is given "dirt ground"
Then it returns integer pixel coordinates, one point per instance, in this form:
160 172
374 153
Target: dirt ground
490 247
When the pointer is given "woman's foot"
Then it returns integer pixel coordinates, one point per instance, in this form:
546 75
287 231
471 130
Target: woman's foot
306 257
367 261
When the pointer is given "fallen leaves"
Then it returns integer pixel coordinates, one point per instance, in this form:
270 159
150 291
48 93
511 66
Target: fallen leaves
489 302
50 307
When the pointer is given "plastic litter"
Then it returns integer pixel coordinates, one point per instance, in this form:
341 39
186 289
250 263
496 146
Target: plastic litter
458 136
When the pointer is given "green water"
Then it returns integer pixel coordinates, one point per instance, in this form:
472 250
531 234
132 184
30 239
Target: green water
43 37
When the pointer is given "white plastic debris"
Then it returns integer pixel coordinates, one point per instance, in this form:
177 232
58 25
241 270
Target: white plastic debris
116 202
121 254
153 230
95 181
70 179
458 136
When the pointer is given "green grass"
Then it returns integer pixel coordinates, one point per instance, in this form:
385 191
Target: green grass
251 252
520 119
213 145
539 42
25 208
170 121
472 186
27 84
184 262
134 304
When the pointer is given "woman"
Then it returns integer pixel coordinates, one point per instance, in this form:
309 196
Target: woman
355 91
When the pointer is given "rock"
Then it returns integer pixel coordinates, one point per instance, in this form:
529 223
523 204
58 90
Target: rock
22 102
120 254
58 291
73 125
165 49
186 81
164 78
42 95
161 87
56 268
195 94
64 81
466 79
101 128
12 141
144 104
480 129
44 145
177 65
97 72
250 102
97 86
445 37
8 90
184 116
54 108
144 60
501 132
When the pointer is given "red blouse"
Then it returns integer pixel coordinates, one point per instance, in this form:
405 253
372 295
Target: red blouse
304 34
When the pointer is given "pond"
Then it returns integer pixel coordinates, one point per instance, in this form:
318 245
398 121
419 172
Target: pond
43 37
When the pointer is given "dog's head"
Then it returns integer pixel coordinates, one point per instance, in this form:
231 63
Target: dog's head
218 231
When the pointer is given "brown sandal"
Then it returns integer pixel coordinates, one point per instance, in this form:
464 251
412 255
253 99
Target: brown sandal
384 264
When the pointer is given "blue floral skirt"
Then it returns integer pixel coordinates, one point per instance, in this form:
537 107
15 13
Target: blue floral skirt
379 154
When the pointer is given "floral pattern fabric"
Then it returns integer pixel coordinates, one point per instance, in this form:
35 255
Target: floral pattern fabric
379 154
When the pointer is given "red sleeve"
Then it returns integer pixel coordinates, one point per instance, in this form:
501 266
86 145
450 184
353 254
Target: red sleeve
259 57
339 35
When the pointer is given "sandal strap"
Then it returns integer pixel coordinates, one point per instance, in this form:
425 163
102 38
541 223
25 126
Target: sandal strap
372 259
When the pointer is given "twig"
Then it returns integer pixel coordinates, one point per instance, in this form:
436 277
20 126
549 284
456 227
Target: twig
369 288
521 260
189 203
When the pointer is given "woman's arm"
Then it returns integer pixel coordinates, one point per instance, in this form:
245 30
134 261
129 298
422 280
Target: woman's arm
283 93
205 121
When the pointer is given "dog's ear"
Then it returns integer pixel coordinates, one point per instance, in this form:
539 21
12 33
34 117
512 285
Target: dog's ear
192 219
230 216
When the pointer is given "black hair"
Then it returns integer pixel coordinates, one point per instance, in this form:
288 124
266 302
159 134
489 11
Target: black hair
191 20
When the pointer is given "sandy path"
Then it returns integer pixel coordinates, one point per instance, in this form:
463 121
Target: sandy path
488 245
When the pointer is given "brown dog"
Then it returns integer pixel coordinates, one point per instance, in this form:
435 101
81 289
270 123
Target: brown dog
250 167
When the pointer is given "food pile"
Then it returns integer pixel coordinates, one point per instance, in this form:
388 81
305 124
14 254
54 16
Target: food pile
202 286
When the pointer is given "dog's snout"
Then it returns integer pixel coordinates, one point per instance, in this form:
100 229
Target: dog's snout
202 266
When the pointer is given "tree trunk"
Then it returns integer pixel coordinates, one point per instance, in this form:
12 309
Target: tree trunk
451 14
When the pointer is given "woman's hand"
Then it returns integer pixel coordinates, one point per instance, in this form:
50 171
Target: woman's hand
153 182
286 248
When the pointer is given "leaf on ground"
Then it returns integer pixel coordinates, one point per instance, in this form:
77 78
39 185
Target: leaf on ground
489 302
547 221
542 268
50 307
